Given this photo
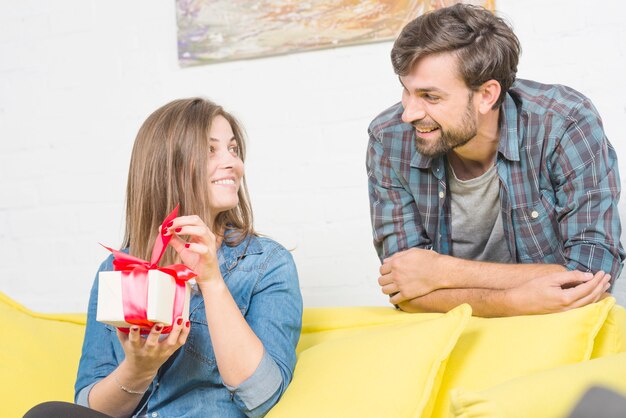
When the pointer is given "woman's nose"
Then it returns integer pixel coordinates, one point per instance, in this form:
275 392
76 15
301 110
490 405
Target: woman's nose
227 159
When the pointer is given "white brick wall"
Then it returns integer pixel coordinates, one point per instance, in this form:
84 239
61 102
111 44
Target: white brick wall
77 78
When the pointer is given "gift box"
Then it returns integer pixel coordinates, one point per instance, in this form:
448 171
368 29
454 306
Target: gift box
161 291
141 292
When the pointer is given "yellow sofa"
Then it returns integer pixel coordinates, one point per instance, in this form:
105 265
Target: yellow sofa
377 362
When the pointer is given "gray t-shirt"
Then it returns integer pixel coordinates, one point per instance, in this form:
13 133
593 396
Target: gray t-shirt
477 232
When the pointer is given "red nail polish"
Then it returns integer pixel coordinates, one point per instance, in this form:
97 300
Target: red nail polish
158 328
170 223
179 321
164 231
187 245
187 324
178 229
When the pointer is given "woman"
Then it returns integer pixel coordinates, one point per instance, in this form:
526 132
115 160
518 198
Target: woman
236 354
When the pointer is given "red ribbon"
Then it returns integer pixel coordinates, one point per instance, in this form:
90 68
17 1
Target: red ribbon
135 281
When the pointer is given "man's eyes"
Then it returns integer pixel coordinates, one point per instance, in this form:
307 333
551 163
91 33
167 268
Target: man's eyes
426 96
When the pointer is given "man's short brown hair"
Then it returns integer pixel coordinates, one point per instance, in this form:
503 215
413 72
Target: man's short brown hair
485 45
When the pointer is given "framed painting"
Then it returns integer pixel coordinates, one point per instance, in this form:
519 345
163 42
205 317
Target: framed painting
221 30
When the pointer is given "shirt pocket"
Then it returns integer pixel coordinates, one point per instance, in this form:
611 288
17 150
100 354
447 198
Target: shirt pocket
536 235
198 344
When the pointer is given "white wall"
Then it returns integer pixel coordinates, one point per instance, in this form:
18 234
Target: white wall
77 78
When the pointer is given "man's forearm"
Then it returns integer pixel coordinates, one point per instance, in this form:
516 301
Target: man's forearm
457 273
546 294
484 302
414 273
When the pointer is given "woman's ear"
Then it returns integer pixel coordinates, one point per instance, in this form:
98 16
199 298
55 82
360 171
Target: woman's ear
488 94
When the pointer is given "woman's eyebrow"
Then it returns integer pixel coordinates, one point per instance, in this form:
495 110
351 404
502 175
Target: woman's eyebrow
211 139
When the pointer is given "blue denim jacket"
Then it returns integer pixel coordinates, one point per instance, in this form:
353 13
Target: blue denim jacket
263 280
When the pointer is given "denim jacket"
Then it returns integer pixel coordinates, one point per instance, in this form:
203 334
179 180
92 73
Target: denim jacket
263 280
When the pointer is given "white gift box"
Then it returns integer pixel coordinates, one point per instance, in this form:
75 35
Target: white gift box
161 291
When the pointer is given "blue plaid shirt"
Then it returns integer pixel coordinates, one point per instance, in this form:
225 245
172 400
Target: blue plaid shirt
559 183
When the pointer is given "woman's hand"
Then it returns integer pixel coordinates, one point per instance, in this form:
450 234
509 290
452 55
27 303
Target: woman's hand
144 356
200 253
121 391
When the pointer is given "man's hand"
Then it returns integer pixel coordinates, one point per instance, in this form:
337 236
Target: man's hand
410 274
558 292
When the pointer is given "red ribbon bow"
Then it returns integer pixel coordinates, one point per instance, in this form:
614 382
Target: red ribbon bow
135 281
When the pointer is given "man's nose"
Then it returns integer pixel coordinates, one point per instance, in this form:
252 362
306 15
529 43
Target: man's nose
413 110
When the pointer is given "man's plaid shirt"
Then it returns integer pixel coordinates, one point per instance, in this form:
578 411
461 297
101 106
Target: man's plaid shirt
559 183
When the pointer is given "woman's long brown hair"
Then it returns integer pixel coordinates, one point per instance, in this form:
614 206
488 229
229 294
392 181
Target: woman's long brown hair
169 166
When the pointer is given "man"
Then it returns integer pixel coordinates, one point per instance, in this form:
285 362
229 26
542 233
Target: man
487 190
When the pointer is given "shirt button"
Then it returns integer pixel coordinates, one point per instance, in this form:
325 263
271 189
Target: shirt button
154 414
534 214
441 195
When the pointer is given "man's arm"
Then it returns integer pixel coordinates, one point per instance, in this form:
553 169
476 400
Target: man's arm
585 178
396 221
416 272
422 280
537 296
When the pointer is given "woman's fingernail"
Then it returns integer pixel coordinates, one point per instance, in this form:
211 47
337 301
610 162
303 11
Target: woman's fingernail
158 327
187 245
170 223
178 229
179 321
187 324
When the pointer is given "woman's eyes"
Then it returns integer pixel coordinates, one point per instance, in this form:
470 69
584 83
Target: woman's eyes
233 149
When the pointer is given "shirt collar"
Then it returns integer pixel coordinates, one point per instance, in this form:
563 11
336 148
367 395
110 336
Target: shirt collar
419 160
229 256
509 136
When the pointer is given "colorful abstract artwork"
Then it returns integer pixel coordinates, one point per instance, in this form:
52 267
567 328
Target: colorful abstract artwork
221 30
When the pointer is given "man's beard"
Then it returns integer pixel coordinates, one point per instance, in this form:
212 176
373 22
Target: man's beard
450 138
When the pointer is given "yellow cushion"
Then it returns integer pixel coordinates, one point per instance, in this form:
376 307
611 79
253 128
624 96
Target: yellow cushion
612 336
38 357
492 351
325 324
551 393
382 371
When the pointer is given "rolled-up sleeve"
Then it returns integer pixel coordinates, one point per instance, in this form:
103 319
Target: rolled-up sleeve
275 316
82 397
259 388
